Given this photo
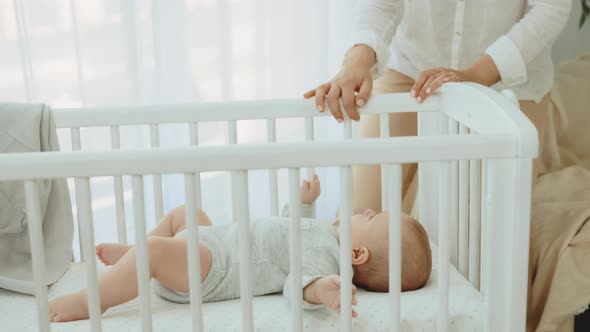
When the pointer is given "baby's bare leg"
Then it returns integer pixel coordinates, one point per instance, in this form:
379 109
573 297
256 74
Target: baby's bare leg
170 225
168 264
175 221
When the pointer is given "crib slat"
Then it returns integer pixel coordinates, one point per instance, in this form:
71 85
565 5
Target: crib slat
454 201
192 192
345 248
77 146
232 132
295 249
309 135
463 212
395 248
346 209
273 185
384 132
474 221
76 142
429 124
232 138
483 226
309 129
443 247
194 141
118 184
143 267
384 125
87 246
241 205
194 133
193 244
38 254
157 178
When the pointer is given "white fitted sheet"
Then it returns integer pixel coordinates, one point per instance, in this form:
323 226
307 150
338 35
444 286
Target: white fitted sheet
271 313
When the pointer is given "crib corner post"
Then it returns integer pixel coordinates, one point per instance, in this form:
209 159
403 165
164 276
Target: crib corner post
520 243
501 200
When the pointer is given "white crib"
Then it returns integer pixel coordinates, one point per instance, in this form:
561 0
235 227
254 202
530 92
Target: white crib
474 149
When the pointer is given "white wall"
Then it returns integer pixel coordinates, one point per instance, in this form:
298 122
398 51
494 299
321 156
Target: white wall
572 41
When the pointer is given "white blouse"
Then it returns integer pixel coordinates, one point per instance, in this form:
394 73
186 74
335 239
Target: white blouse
410 36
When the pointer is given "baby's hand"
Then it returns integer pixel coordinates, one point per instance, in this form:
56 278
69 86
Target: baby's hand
310 190
329 293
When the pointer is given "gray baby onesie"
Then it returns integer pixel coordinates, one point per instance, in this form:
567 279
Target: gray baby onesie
269 257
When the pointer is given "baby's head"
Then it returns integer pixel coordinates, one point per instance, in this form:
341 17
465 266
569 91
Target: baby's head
370 252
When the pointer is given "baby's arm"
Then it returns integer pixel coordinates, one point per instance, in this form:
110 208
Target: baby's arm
320 282
310 191
326 291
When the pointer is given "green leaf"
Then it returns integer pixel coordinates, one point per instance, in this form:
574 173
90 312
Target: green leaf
585 13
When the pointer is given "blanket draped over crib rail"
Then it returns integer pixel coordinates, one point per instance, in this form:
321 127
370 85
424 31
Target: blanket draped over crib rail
30 128
559 273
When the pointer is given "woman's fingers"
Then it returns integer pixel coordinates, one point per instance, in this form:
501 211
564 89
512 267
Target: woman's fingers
430 81
348 100
320 96
309 94
426 90
437 83
422 78
364 92
333 96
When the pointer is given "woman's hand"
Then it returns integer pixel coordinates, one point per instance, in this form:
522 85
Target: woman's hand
483 71
354 77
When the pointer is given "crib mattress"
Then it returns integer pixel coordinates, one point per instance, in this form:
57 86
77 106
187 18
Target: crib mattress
271 313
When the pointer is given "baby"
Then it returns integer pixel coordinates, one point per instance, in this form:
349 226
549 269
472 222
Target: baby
219 257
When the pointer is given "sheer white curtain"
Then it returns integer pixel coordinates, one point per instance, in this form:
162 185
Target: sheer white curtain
70 53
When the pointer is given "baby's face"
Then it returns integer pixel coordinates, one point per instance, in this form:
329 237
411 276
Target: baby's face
369 227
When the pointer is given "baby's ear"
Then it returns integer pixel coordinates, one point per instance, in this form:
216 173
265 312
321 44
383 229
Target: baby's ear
360 255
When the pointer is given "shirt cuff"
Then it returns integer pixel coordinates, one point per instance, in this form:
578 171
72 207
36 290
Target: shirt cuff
509 61
371 39
306 211
306 281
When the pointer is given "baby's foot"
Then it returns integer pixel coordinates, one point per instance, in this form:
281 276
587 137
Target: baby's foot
68 308
110 253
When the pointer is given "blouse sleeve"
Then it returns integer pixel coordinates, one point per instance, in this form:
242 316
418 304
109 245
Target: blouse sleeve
374 24
536 31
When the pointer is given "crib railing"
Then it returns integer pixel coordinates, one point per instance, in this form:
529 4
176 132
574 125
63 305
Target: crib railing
193 114
505 141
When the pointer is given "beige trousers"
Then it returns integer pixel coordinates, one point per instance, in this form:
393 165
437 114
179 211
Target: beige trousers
367 179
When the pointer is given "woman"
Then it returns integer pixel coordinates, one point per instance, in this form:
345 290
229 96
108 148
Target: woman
417 45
